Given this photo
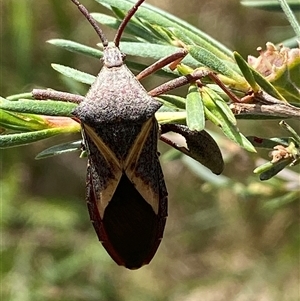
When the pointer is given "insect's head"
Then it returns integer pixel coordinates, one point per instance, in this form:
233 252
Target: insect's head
112 56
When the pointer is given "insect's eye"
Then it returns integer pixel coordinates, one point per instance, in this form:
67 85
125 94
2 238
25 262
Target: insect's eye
123 56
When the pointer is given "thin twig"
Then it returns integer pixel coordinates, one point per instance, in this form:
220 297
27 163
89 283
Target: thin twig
272 110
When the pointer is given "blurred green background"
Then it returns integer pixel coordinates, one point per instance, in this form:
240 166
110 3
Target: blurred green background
236 241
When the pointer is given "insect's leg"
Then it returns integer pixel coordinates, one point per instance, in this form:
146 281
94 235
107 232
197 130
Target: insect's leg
189 78
173 84
56 95
200 146
173 59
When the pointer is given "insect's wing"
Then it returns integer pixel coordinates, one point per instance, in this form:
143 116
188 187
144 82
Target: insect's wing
142 166
105 170
92 200
143 169
130 224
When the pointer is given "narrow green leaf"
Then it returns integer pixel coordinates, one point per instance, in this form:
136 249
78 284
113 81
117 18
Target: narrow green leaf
270 4
134 28
60 149
21 122
285 85
42 107
229 129
290 130
13 140
202 172
290 16
281 201
223 106
171 117
109 21
154 51
290 92
211 61
172 101
147 50
269 170
74 74
164 35
268 143
27 95
194 109
76 47
190 38
266 85
246 70
210 116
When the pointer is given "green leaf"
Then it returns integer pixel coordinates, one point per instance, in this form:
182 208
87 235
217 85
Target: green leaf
223 106
21 122
60 149
27 95
203 40
268 143
172 101
153 51
283 200
285 85
136 29
74 74
266 85
290 130
204 173
272 5
42 107
210 115
246 70
76 47
171 117
194 109
211 61
269 170
13 140
229 129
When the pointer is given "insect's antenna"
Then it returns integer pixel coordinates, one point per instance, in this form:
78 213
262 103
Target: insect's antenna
92 21
125 21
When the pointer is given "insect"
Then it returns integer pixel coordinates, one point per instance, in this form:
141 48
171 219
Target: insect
125 189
